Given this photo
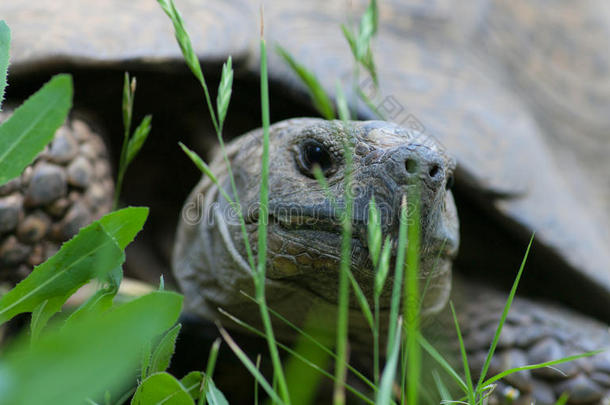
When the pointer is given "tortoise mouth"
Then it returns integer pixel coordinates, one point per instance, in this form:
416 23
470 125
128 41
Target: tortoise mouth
314 247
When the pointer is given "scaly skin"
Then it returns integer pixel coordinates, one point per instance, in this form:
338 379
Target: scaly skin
305 238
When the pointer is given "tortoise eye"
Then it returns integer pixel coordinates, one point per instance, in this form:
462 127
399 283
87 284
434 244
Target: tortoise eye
314 153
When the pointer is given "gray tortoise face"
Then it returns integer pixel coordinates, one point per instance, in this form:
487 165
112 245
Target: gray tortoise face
304 225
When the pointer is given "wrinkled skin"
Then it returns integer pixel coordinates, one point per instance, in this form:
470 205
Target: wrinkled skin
390 164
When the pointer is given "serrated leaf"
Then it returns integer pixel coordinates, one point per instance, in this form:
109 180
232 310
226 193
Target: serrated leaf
224 91
164 351
319 98
138 139
41 315
161 388
33 125
97 304
91 253
68 365
5 43
125 224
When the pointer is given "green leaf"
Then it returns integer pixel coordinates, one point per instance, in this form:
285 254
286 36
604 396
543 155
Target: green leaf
224 91
5 42
320 99
125 224
192 383
164 351
137 140
215 396
89 254
84 360
33 125
97 304
161 388
41 315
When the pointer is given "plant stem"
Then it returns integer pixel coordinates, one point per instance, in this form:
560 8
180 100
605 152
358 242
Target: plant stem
259 277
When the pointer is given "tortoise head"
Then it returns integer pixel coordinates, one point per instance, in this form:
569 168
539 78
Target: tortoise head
389 164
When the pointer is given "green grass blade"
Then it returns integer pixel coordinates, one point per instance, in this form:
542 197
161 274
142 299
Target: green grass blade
319 98
441 387
5 44
342 108
33 125
304 333
539 365
188 53
362 301
563 399
384 266
249 365
209 370
398 276
304 381
343 293
509 302
442 362
138 139
224 91
467 376
374 233
205 169
298 356
259 277
384 395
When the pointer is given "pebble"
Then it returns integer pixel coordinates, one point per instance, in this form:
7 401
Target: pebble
58 207
81 130
581 390
10 212
48 183
79 172
63 148
77 217
13 252
10 186
34 227
546 350
522 379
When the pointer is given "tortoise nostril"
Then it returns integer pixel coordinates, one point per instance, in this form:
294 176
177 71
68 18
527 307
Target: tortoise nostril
411 165
434 171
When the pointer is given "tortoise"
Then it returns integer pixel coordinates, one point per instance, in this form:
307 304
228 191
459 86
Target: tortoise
522 110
